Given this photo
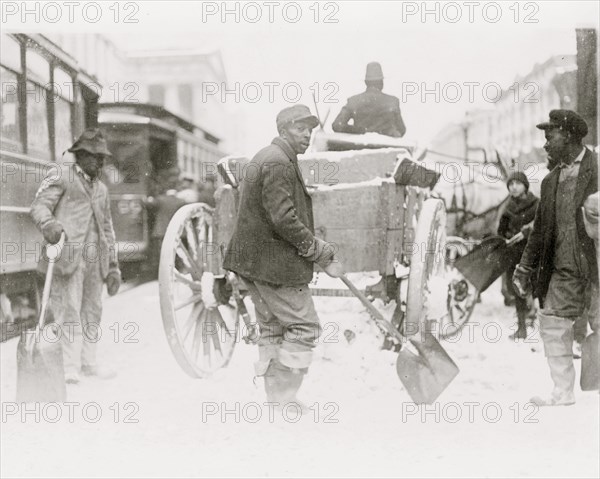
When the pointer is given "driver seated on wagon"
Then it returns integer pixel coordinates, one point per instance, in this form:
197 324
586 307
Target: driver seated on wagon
372 110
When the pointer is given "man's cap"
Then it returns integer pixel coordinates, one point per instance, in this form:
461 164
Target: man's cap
374 72
566 120
520 177
91 140
294 114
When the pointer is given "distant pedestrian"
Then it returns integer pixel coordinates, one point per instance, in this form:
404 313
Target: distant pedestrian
188 191
162 207
517 219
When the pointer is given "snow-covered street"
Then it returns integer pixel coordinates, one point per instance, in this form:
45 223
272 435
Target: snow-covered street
155 421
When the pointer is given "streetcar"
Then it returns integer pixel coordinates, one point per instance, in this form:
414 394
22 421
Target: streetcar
152 150
47 101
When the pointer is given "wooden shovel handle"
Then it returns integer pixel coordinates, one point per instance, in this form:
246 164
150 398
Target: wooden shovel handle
57 249
383 323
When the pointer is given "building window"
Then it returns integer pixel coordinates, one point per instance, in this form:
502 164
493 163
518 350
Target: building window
186 98
156 94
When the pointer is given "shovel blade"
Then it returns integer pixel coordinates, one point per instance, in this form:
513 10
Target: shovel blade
486 263
40 370
427 374
590 357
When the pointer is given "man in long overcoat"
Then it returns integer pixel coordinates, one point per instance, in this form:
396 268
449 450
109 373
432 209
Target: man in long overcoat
560 257
72 201
273 249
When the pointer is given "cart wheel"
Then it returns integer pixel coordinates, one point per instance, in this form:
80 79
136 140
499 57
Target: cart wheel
427 262
462 298
201 332
462 295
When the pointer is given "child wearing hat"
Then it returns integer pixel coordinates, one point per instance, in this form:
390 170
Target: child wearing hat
518 219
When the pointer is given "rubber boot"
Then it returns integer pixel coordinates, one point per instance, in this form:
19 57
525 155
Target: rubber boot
521 332
562 372
282 384
557 334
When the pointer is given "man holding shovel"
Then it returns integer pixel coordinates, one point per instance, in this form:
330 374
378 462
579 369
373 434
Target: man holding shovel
273 249
72 200
560 258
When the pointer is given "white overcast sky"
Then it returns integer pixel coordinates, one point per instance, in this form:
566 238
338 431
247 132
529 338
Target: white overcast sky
410 48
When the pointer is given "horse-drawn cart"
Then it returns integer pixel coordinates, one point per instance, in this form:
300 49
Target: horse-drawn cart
376 224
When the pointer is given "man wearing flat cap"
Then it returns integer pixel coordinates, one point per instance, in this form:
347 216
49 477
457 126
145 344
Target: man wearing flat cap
72 201
273 249
560 258
372 110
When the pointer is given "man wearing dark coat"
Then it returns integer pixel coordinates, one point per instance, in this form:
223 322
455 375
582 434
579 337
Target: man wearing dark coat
273 249
372 110
560 257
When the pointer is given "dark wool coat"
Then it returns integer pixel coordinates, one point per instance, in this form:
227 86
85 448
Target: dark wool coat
274 222
372 111
517 214
539 252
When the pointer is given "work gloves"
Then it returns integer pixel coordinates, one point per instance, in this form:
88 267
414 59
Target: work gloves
113 280
522 280
323 254
51 231
320 252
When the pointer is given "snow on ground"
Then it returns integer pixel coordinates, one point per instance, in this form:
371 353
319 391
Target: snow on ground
158 422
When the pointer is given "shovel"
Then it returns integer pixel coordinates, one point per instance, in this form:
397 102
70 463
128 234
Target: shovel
590 358
40 369
489 260
426 374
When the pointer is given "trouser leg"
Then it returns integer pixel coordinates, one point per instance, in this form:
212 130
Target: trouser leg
271 331
557 335
289 328
65 302
294 310
91 313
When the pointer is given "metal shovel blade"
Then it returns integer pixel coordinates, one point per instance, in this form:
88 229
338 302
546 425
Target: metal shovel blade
40 368
425 375
488 261
590 357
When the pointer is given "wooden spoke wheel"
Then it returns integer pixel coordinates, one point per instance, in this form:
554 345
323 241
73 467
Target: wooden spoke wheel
427 263
201 332
462 295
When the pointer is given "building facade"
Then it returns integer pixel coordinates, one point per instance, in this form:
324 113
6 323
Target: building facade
509 126
174 79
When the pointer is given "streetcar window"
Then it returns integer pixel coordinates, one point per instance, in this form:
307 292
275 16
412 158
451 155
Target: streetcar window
62 126
10 129
38 139
37 68
9 119
63 89
10 53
